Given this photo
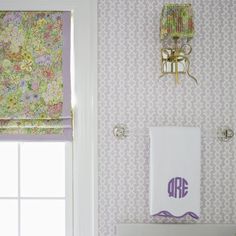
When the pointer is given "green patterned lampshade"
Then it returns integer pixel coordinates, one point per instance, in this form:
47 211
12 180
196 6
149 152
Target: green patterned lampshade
177 21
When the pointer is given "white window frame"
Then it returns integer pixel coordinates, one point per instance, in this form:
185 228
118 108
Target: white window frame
85 110
68 197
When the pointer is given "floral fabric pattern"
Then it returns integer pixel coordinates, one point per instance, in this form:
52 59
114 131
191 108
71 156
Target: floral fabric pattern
177 21
31 79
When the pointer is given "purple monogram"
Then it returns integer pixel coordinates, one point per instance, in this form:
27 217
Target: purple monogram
178 187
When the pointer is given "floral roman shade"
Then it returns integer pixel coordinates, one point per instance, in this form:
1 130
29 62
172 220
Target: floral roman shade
35 94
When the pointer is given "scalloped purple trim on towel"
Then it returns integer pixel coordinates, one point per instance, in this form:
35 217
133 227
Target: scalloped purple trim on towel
168 214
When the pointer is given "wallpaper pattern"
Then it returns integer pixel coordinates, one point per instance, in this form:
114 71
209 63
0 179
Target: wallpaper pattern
130 92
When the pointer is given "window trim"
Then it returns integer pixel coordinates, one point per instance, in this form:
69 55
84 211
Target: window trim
85 115
69 188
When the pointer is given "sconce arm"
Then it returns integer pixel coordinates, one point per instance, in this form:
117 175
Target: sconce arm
188 68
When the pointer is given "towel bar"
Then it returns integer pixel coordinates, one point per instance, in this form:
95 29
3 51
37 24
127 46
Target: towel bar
224 134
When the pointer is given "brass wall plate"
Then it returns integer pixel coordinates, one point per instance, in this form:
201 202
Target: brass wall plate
168 65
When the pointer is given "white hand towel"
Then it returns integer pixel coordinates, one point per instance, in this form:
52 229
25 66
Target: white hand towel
175 171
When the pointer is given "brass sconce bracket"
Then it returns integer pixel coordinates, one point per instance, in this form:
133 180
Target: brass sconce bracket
175 61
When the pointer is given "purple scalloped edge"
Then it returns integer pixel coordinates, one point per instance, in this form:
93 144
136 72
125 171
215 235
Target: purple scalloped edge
168 214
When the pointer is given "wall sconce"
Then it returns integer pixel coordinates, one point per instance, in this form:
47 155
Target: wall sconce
176 31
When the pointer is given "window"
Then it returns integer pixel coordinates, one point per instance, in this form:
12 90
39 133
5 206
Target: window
35 181
35 189
84 157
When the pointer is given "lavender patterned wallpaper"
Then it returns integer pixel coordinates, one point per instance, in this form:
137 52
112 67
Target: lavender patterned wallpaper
131 93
